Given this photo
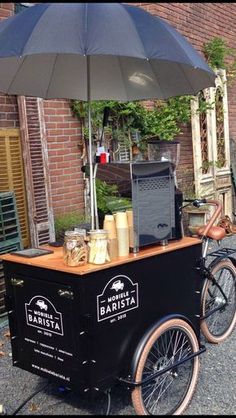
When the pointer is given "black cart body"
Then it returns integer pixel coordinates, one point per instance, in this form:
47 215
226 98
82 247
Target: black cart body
83 331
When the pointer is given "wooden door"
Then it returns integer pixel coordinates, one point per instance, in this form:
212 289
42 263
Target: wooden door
211 150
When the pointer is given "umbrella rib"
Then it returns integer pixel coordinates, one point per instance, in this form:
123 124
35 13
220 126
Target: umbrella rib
29 38
186 78
156 78
173 33
140 40
122 75
15 75
51 76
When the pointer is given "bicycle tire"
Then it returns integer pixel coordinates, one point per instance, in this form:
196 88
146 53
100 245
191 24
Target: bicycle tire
218 326
165 403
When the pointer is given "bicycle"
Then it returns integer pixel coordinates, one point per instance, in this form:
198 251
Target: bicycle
218 296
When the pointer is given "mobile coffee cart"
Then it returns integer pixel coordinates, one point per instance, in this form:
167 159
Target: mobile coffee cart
134 320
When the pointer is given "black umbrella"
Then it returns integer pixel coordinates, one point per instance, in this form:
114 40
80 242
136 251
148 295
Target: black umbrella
97 51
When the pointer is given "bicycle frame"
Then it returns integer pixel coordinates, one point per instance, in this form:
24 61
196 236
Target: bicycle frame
219 255
149 379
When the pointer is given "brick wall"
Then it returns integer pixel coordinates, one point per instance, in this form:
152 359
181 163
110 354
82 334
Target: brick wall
64 134
64 137
6 10
9 116
8 105
199 22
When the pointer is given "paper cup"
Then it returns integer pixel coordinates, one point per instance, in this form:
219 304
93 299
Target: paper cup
113 248
123 241
131 227
110 226
121 220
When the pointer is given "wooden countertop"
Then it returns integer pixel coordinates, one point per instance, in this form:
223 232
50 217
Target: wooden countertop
55 261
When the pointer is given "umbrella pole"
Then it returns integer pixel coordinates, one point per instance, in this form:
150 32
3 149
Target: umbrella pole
95 197
90 145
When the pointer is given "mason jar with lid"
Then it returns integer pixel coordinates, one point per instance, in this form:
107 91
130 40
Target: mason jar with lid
98 250
75 251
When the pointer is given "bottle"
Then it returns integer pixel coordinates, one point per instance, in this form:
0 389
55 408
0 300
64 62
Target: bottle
75 251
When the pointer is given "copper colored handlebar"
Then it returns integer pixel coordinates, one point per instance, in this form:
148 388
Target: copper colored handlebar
215 215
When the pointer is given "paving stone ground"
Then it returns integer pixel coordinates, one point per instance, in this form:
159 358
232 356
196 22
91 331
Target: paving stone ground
215 393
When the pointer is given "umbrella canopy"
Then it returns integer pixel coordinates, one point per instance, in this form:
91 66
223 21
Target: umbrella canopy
97 51
133 54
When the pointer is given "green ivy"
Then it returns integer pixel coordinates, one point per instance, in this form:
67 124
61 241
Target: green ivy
216 51
67 221
164 119
108 199
103 192
220 55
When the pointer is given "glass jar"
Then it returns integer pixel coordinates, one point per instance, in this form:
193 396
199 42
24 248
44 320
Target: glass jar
75 252
98 250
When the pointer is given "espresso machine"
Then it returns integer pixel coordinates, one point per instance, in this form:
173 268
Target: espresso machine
156 201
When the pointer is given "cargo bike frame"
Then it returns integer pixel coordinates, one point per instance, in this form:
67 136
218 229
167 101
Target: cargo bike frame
136 323
218 270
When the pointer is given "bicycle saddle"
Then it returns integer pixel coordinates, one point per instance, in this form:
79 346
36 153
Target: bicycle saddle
215 232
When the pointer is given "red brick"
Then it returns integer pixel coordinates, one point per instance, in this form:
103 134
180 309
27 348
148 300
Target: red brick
198 22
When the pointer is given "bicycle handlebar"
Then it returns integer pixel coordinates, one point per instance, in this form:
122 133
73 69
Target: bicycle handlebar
199 202
196 202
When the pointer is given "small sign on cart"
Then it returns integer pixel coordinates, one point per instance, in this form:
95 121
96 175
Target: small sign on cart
119 296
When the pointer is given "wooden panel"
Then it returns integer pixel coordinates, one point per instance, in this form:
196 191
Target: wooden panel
12 175
55 261
34 143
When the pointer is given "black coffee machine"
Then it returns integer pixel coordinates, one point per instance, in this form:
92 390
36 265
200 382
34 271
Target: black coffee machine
156 201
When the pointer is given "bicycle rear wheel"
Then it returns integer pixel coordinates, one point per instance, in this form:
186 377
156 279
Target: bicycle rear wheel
220 323
169 393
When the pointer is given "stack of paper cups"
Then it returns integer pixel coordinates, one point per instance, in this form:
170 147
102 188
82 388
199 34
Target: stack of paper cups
110 226
122 233
131 227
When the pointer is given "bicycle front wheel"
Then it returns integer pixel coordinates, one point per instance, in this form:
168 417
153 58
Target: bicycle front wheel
169 393
219 303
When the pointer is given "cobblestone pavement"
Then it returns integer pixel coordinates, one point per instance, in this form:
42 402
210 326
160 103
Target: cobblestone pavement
215 393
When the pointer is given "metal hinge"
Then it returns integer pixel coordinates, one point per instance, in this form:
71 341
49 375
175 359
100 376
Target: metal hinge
66 294
17 282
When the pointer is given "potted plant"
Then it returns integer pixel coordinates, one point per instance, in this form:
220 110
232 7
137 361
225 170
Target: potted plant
195 217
